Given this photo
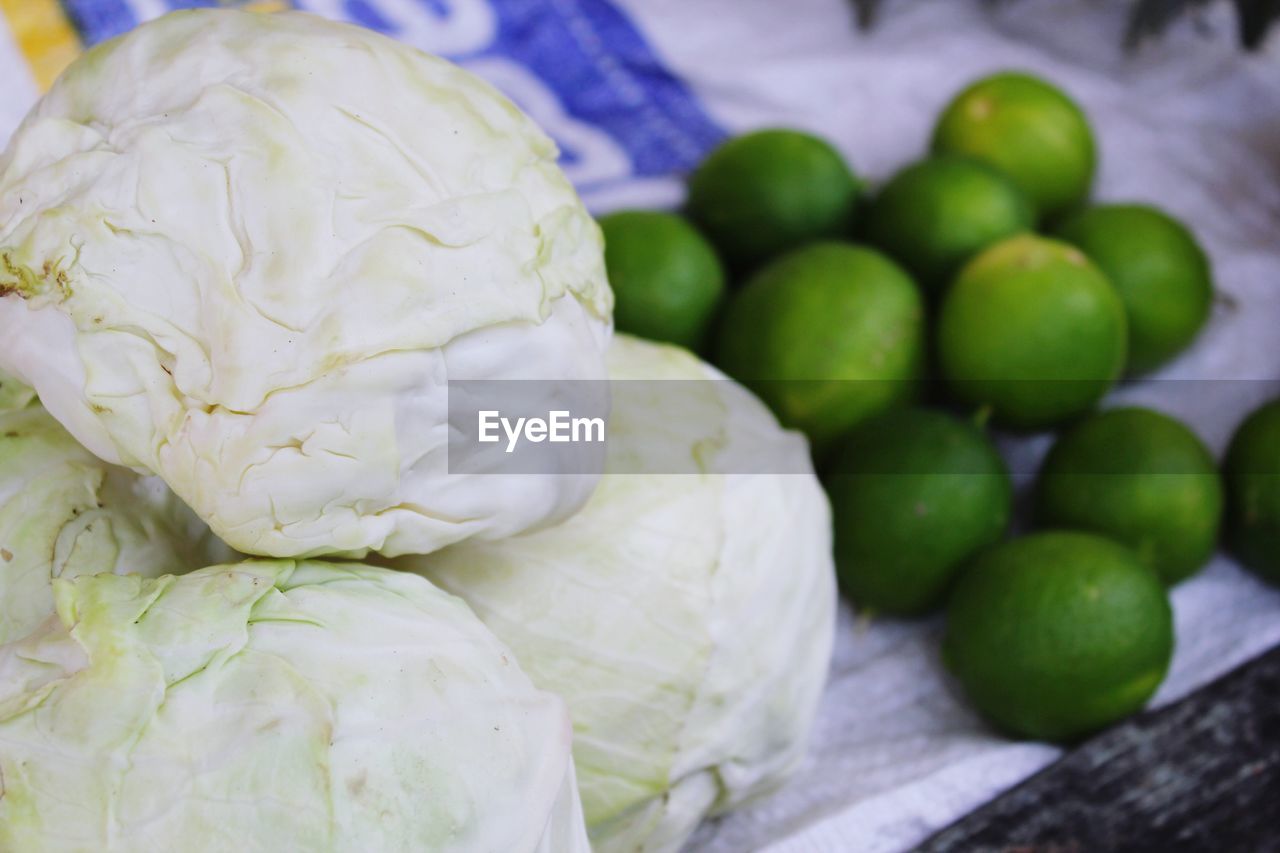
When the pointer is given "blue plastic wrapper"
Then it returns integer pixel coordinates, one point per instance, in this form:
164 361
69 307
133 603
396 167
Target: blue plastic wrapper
583 69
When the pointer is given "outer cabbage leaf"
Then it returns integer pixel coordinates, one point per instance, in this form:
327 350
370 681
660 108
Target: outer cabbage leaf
246 252
64 512
274 706
686 618
14 394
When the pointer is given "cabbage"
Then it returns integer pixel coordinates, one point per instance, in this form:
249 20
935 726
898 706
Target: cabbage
14 394
276 706
63 512
246 252
686 618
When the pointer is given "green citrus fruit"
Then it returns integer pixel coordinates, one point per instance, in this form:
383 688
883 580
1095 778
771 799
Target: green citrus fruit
913 493
1031 329
1056 635
827 335
936 214
1158 268
1141 478
1252 470
1028 129
667 281
762 194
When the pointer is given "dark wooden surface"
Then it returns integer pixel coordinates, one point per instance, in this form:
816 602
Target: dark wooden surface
1201 774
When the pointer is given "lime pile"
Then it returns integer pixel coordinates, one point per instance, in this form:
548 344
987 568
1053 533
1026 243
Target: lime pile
981 279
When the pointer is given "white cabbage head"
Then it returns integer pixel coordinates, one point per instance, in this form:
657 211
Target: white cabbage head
246 252
686 618
64 512
277 706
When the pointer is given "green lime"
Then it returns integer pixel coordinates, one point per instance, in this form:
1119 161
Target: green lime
667 281
827 335
1141 478
1158 268
1027 128
1056 635
1252 469
759 195
1031 329
936 214
913 493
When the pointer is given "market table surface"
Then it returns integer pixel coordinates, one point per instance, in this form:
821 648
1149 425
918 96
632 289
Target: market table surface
1200 774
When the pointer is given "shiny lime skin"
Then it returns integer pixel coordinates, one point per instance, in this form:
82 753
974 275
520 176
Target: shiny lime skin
827 335
765 193
1158 268
1028 129
1058 634
936 214
1141 478
667 281
1032 330
1252 469
914 492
